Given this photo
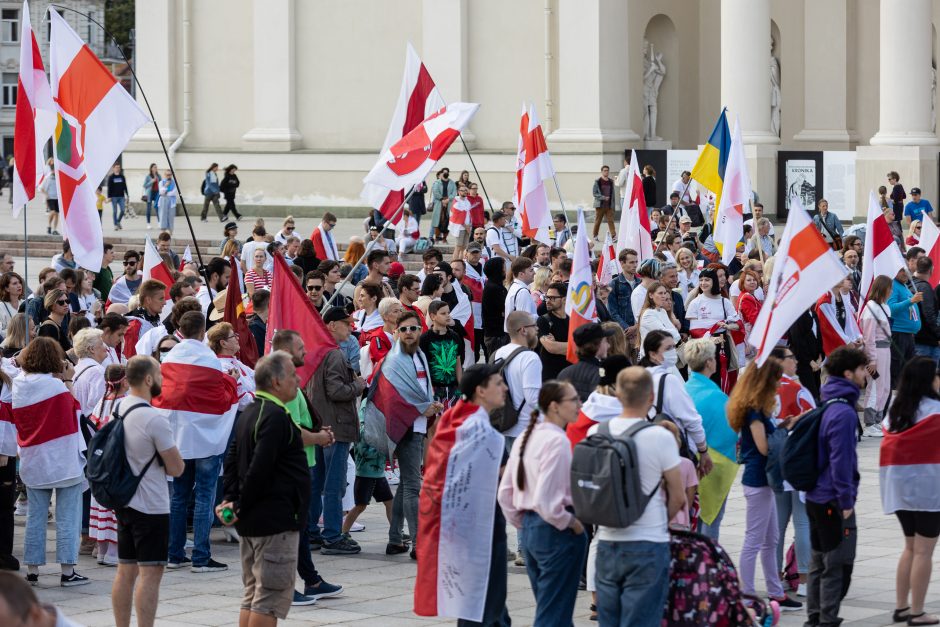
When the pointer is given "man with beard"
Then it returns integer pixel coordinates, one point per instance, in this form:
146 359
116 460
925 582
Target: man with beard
378 262
312 435
219 271
144 523
553 332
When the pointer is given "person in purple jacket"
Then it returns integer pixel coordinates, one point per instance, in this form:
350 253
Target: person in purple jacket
830 506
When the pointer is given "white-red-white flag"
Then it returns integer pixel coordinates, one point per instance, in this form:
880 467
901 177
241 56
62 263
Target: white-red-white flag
882 255
606 263
186 257
635 231
735 196
580 305
805 269
533 167
154 267
96 119
930 242
35 118
417 100
407 162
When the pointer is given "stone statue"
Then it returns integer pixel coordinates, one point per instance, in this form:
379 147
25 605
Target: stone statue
654 70
933 99
774 91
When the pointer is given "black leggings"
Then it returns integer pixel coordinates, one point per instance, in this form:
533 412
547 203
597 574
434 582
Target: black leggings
7 500
926 524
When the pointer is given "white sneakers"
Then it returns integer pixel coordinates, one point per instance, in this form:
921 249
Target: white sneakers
873 431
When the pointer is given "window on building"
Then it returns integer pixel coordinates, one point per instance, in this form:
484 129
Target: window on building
10 26
9 89
89 36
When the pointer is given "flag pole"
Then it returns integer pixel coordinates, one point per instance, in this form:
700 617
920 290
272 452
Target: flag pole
477 172
560 199
672 217
25 256
364 255
156 126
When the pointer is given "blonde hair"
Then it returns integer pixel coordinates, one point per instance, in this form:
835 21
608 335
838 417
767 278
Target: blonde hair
86 340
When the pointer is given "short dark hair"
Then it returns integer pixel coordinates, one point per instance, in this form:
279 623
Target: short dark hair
138 367
431 283
42 355
315 274
131 254
561 217
913 251
189 303
557 252
77 323
329 217
622 257
924 265
559 287
176 290
164 236
68 274
845 359
191 324
673 195
112 322
260 300
432 253
436 306
407 315
259 230
376 255
282 339
520 265
216 265
108 246
565 265
327 265
405 281
149 288
372 290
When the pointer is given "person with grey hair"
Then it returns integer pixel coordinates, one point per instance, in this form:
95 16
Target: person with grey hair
88 384
762 239
267 491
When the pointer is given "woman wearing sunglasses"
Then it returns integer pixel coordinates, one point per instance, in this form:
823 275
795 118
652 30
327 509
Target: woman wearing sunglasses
55 326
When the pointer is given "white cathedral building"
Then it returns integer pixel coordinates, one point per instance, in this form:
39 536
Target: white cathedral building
830 94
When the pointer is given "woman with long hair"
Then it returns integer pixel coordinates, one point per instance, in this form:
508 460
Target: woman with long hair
431 290
169 196
750 407
656 314
306 257
210 192
354 252
543 276
228 187
748 307
909 491
151 190
11 294
56 302
89 300
876 335
257 278
712 314
535 495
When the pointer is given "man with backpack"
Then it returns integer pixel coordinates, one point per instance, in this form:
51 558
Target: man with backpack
830 505
632 557
144 523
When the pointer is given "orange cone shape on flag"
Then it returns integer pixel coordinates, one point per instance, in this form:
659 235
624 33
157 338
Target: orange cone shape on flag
805 269
930 242
35 118
882 255
234 314
533 167
580 305
96 119
635 232
735 197
418 100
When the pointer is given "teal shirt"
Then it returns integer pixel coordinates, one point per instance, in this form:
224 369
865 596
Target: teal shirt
300 414
710 402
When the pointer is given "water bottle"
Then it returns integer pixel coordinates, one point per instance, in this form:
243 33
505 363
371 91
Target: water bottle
228 515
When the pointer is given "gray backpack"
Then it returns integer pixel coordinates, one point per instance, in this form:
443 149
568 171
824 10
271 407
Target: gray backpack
605 478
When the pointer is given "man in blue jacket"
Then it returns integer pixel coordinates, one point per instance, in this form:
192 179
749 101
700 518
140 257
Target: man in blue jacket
830 506
905 322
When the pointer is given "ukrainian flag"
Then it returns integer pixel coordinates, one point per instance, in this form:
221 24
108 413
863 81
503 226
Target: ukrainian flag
709 169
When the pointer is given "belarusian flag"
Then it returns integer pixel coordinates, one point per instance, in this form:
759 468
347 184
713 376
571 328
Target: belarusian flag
635 231
881 254
96 119
533 168
35 118
607 263
735 196
930 242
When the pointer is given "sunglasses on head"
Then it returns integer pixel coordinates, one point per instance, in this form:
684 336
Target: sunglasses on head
413 328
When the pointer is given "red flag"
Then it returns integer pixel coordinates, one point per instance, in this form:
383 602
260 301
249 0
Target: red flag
882 255
234 314
930 242
291 309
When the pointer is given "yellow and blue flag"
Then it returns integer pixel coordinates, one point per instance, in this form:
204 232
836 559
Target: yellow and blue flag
709 168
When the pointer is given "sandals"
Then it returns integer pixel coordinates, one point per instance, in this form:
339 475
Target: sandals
901 615
912 619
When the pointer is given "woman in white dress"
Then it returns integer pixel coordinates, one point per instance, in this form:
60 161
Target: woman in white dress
711 314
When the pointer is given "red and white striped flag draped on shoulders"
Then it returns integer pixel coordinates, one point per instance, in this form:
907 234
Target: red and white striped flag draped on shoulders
533 168
580 305
47 430
930 242
882 255
832 333
418 99
796 283
35 118
7 427
198 398
909 469
458 514
635 231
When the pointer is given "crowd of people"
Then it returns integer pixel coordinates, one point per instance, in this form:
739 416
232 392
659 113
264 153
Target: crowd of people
476 344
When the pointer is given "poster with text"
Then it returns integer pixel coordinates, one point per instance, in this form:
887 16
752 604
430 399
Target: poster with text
800 180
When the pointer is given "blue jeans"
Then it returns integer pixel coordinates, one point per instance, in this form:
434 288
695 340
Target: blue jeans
712 530
331 475
115 204
68 522
928 350
789 504
553 561
632 583
152 199
410 453
199 476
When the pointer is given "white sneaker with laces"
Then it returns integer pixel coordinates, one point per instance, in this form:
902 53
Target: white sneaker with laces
873 431
801 590
357 526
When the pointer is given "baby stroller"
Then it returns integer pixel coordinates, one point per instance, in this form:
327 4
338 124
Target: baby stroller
704 588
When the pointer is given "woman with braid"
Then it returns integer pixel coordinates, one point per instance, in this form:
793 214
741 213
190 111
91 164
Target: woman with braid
535 495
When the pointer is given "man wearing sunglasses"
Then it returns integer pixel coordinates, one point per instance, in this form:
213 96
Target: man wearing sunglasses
128 283
313 284
287 230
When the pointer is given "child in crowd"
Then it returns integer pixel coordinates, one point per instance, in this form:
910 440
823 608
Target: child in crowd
683 518
370 480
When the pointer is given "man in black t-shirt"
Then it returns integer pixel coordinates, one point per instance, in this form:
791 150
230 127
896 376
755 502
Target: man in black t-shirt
553 332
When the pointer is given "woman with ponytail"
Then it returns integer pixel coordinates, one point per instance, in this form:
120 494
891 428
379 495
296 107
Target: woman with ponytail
535 496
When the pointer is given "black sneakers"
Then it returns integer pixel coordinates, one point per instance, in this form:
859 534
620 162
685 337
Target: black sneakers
343 546
211 566
74 579
788 605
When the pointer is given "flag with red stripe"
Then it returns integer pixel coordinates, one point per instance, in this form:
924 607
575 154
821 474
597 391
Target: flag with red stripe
930 242
635 231
35 118
397 397
417 100
607 263
234 314
882 255
198 398
533 168
458 505
910 464
580 305
832 333
803 254
47 431
735 197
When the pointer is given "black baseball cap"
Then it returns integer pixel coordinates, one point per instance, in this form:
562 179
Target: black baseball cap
475 376
590 332
915 190
335 314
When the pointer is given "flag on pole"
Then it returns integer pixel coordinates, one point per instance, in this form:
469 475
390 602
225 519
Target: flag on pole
881 255
234 314
35 118
407 162
533 168
154 266
735 196
580 305
795 285
417 100
186 257
709 168
635 231
96 119
607 263
930 242
291 309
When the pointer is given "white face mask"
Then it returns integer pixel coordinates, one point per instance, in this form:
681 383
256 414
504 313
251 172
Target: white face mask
670 357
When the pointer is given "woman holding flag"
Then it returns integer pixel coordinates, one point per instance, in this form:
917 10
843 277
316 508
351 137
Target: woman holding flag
876 334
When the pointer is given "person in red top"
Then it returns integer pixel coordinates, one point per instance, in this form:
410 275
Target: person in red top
748 305
409 289
377 342
477 219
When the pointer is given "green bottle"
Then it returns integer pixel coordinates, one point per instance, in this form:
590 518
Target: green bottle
228 515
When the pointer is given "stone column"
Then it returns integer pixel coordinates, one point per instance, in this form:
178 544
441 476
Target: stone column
904 84
596 87
444 51
745 67
274 95
157 66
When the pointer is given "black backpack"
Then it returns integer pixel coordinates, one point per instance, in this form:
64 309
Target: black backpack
506 417
113 483
202 188
799 461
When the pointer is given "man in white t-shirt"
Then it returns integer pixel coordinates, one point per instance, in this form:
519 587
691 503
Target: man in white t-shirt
632 575
757 215
649 271
524 372
518 297
683 186
258 240
501 240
